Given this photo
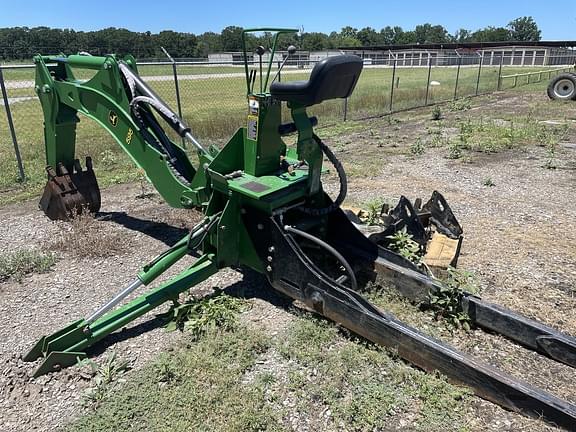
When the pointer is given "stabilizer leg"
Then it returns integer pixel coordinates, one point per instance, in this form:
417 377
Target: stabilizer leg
66 346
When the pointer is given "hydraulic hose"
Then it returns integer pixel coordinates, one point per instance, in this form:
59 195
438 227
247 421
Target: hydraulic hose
147 95
341 176
326 246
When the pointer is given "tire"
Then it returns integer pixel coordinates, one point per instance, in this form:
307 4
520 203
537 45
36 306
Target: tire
562 87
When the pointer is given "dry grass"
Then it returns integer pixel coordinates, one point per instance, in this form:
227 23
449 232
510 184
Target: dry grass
85 237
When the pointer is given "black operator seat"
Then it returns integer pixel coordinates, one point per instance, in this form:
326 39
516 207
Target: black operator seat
332 78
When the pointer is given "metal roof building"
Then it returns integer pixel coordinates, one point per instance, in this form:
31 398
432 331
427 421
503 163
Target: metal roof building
542 53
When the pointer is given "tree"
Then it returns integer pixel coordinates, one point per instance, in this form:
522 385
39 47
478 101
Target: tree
427 33
405 37
231 38
368 36
491 34
314 42
462 35
348 32
387 35
208 42
524 29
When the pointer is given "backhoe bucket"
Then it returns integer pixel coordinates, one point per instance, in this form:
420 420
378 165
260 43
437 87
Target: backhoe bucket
68 194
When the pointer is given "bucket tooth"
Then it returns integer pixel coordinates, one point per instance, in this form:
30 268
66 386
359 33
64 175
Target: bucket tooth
70 192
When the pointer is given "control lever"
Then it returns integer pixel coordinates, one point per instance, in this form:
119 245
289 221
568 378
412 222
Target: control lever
260 50
291 51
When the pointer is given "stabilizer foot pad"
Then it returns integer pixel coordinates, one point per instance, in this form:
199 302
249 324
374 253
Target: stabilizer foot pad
57 360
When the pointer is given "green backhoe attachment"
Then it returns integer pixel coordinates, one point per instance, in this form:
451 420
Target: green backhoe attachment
265 209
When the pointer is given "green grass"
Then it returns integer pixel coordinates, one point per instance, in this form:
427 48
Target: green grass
198 388
327 380
16 265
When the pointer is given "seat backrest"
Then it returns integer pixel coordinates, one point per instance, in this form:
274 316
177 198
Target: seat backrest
334 77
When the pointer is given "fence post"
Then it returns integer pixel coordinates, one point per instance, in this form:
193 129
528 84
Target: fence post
457 77
345 108
21 174
500 73
428 82
392 85
479 72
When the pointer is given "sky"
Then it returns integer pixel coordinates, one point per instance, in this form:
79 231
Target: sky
556 19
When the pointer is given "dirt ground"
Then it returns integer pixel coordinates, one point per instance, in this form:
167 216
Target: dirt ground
519 241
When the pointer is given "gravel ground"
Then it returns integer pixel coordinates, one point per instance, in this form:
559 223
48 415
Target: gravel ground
43 303
519 239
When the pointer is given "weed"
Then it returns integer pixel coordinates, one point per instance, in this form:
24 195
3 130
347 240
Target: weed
488 182
550 157
549 138
466 130
144 185
198 316
109 157
463 104
417 148
103 375
373 212
16 265
436 141
446 300
165 371
454 150
436 112
403 243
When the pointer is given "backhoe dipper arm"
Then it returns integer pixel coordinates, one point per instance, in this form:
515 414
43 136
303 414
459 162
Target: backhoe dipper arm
119 101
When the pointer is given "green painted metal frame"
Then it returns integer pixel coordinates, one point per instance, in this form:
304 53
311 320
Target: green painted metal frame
103 99
263 185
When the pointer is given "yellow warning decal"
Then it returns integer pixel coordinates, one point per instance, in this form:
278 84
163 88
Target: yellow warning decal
252 127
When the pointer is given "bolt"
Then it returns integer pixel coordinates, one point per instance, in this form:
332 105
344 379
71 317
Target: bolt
223 227
268 269
271 249
260 227
242 211
270 258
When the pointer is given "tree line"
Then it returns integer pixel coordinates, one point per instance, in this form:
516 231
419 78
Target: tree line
20 43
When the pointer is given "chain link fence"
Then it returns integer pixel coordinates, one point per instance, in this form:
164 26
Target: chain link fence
211 97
